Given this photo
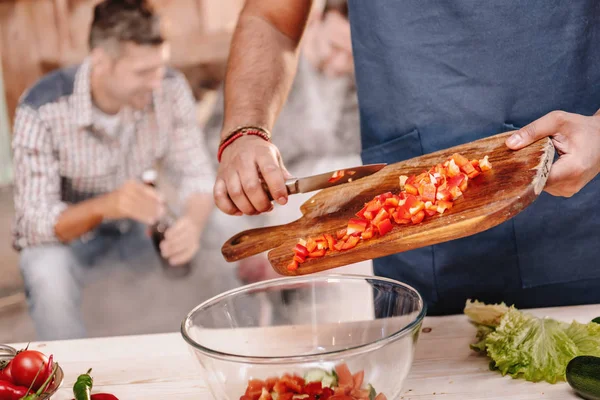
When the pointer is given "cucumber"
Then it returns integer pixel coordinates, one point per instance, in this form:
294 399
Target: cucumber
596 320
315 375
329 381
583 374
372 392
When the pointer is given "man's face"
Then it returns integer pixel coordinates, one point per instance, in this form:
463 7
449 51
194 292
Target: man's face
135 73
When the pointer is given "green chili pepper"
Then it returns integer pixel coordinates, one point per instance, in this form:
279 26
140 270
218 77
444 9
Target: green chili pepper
82 388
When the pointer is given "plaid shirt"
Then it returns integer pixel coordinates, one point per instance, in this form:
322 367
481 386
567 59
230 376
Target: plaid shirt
62 158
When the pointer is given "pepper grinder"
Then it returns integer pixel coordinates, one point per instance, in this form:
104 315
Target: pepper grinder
157 233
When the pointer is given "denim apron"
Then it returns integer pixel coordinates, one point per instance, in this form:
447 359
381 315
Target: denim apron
432 74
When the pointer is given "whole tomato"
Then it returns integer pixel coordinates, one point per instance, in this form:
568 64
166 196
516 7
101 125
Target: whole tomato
5 373
26 365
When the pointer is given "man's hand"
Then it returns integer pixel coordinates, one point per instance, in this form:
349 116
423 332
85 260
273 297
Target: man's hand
577 140
238 189
136 201
182 241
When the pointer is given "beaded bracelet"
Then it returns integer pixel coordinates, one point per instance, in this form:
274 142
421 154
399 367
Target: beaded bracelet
238 133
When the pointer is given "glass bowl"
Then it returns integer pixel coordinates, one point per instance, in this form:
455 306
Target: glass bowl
307 326
7 353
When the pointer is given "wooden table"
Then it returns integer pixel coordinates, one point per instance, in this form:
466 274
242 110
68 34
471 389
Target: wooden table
162 367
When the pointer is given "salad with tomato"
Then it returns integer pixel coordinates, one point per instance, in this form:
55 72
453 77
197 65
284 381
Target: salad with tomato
316 384
422 196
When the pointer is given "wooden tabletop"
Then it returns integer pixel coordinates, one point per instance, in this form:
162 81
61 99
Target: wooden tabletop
162 367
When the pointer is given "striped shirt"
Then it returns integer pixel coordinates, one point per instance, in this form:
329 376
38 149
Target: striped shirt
63 156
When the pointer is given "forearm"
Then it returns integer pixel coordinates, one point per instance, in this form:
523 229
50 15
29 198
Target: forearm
79 219
198 208
261 67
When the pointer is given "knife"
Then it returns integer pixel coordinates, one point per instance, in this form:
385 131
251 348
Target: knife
328 179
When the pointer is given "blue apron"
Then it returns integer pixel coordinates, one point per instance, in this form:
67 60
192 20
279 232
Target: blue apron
433 74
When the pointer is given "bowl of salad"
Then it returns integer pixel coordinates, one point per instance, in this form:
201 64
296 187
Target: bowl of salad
314 337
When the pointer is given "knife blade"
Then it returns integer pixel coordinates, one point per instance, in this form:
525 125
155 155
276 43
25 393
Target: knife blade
329 179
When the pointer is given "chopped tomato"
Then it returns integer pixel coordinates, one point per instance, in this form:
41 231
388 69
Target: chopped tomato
352 242
418 217
356 226
384 226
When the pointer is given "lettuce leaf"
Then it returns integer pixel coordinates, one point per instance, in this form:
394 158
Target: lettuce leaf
524 346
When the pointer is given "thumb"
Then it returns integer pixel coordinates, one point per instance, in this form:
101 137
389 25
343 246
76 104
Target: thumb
538 129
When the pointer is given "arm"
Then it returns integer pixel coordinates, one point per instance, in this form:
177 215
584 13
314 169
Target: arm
261 67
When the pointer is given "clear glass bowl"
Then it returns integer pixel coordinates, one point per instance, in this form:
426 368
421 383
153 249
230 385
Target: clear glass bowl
293 325
7 353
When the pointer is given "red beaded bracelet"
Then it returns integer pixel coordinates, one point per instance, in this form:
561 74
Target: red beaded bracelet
238 133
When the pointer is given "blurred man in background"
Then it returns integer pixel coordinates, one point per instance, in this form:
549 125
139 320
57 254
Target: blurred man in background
83 137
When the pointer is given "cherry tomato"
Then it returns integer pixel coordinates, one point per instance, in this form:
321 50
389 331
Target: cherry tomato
25 366
6 374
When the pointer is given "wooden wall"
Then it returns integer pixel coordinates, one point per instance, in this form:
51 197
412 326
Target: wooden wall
37 36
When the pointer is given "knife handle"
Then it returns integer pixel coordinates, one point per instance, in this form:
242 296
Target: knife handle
290 184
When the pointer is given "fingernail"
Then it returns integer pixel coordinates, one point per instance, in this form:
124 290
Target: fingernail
514 140
239 214
282 200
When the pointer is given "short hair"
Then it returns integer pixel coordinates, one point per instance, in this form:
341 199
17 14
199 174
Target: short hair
125 21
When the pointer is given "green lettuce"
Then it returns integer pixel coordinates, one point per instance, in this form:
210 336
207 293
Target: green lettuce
524 346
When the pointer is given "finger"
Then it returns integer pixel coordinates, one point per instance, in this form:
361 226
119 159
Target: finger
222 200
147 209
275 175
172 248
182 257
237 194
563 178
138 211
545 126
252 186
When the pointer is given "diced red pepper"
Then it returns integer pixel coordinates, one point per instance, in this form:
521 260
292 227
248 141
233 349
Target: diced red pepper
352 242
368 233
418 217
299 259
427 192
311 245
317 253
443 205
330 241
392 201
475 163
339 245
468 168
293 265
381 215
313 389
443 195
485 164
460 160
385 226
459 181
356 226
410 189
361 213
383 197
455 192
368 215
374 206
399 218
301 251
473 174
341 233
336 176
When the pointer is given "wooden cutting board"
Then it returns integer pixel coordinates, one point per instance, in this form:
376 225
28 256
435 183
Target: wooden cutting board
515 181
